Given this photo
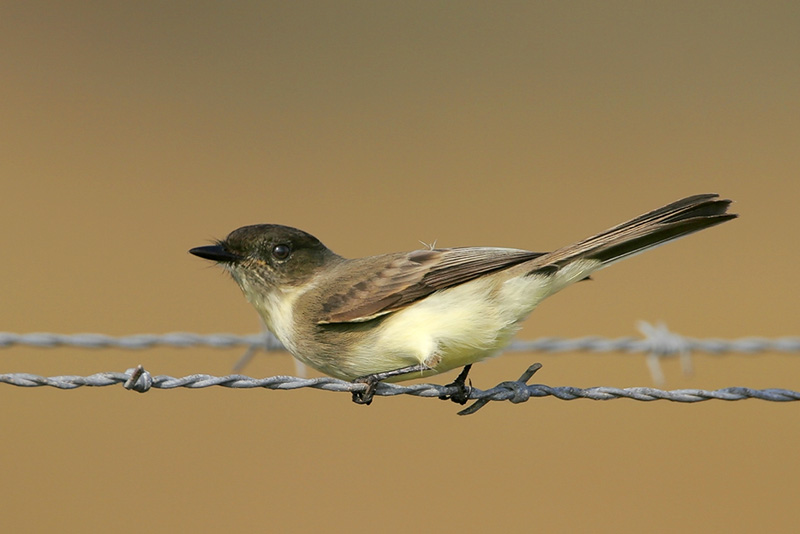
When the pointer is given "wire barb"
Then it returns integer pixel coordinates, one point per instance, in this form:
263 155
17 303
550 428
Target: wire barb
139 379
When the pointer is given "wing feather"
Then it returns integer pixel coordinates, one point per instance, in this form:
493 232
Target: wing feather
408 277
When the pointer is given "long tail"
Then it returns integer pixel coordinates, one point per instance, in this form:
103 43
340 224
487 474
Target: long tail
647 231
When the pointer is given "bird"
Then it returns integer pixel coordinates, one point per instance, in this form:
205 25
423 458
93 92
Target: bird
404 315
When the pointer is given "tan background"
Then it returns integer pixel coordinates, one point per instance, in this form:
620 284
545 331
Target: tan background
134 131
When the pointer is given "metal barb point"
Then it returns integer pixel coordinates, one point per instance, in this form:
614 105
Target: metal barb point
518 388
139 380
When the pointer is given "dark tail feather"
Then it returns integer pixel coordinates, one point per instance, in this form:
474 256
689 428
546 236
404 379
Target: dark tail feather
647 231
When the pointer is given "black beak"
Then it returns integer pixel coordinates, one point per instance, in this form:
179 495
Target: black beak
215 253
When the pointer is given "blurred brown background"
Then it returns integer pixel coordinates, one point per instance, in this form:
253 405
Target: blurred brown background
133 131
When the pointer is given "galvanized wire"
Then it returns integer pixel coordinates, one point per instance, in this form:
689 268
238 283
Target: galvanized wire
516 391
657 339
657 342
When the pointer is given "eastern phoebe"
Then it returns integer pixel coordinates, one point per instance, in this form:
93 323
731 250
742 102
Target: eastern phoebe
412 314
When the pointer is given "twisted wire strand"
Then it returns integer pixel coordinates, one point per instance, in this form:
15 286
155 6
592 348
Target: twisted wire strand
657 342
657 339
517 391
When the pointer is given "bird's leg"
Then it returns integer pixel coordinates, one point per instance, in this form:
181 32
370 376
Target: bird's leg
461 396
365 397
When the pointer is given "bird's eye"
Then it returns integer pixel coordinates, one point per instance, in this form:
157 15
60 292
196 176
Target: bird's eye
281 252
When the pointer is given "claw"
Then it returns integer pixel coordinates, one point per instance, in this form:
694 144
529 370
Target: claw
365 397
461 396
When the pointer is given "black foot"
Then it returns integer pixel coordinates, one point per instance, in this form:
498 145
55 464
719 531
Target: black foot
365 397
461 396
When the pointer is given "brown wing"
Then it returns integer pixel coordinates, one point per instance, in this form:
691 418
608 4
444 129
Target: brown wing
408 277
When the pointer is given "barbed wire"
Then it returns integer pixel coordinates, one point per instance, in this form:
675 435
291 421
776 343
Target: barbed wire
658 342
657 339
517 391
